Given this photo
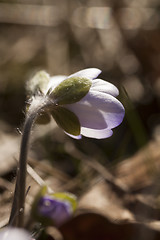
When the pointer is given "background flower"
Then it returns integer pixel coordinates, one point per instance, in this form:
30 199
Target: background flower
53 209
57 211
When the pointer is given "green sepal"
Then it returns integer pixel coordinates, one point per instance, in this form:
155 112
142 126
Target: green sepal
65 196
38 83
67 120
27 107
71 90
43 118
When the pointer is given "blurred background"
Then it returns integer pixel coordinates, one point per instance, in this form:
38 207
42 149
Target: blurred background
122 38
119 37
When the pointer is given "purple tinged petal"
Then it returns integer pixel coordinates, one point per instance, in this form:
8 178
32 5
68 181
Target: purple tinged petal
105 87
98 111
89 73
88 115
111 108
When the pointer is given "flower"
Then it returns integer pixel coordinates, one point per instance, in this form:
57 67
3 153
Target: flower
14 233
53 209
82 104
57 211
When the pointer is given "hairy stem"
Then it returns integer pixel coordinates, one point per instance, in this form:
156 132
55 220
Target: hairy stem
39 104
17 212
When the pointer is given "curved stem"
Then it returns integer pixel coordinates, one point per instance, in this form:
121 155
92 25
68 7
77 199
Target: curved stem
23 167
17 212
38 105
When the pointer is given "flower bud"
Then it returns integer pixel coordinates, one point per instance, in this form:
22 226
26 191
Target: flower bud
38 83
53 209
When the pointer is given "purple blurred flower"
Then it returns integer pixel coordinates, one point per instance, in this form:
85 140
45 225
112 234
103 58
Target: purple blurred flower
14 234
56 210
97 112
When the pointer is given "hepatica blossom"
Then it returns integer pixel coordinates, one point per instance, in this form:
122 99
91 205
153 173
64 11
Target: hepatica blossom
81 103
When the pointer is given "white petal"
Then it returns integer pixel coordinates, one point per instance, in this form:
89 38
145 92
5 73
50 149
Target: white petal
99 134
103 86
98 110
55 81
90 73
112 109
14 234
88 115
